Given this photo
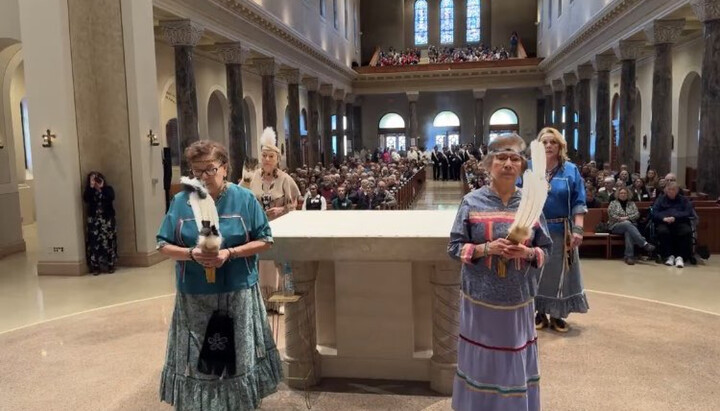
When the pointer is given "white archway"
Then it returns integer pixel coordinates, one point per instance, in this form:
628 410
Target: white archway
688 139
391 131
446 129
251 131
217 115
503 121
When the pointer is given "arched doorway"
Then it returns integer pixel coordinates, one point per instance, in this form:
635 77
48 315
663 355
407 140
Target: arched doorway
688 141
303 136
217 113
614 144
446 127
391 131
168 117
503 121
252 148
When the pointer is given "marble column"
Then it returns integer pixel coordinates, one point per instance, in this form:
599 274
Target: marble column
339 95
558 103
412 130
445 280
183 35
602 64
479 129
313 137
350 131
570 80
326 91
268 69
662 34
627 52
584 73
301 356
548 93
708 11
234 56
294 149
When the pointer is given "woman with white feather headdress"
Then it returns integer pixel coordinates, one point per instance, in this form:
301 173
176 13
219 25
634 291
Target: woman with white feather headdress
561 289
501 238
219 345
278 194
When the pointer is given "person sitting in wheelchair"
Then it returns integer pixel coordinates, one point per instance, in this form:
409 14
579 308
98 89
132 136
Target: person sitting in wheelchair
672 215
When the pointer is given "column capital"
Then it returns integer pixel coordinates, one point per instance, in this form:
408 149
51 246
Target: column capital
181 32
326 90
558 85
350 98
547 90
413 96
628 49
311 83
603 62
231 53
339 94
266 66
291 75
479 93
706 10
664 31
570 79
585 71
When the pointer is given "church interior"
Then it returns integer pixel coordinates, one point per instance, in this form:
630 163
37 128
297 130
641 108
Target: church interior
99 93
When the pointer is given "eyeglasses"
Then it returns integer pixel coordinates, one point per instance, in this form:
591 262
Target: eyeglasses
210 172
503 157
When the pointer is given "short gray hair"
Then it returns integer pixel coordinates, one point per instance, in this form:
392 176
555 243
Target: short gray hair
504 140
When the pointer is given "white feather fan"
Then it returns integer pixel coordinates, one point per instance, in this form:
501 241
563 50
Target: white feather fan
534 194
206 218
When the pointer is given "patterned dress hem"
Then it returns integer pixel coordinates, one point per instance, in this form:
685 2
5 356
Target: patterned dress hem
255 385
562 308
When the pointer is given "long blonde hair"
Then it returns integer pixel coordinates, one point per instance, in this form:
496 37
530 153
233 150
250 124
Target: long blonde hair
560 140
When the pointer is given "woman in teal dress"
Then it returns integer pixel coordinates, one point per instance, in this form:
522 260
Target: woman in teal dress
240 379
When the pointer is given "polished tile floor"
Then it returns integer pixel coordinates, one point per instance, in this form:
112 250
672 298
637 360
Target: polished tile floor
26 298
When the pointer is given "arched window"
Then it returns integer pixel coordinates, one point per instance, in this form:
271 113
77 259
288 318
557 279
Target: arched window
421 23
473 21
446 126
303 122
391 131
503 121
447 21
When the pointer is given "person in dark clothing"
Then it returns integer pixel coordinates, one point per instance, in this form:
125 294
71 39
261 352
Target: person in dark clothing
672 214
455 164
101 235
444 164
590 199
435 157
314 201
362 198
341 202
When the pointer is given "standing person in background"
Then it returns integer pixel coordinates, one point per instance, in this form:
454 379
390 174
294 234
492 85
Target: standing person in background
561 288
435 157
101 232
277 193
514 40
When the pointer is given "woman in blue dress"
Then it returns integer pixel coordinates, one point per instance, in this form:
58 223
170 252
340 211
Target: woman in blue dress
497 345
561 287
252 369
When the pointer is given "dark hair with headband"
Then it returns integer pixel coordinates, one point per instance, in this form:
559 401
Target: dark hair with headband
511 142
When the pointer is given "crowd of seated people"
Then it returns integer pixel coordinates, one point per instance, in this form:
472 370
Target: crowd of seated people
619 191
393 57
364 181
467 53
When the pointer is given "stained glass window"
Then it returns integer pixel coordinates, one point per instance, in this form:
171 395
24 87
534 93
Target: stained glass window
421 23
447 11
473 21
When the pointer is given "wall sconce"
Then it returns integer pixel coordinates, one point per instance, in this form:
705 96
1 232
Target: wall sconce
153 139
47 139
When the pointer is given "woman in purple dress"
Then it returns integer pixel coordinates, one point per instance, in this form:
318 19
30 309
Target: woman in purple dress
497 350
